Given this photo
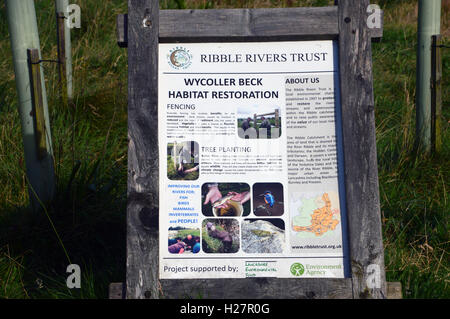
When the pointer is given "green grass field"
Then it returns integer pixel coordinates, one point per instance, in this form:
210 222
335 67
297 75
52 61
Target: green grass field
90 144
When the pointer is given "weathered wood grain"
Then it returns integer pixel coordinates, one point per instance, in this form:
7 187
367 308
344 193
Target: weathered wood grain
361 173
246 25
178 25
257 288
142 206
117 290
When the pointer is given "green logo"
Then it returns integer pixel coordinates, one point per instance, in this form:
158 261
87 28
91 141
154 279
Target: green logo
297 269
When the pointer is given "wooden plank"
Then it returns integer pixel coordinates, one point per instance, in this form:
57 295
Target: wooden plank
179 25
245 24
117 290
257 288
143 168
436 94
361 173
122 30
61 39
394 290
38 103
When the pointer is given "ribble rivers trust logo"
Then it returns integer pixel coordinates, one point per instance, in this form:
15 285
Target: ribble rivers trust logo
297 269
179 58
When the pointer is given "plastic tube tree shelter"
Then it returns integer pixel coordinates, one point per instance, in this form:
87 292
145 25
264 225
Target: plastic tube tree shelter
429 25
64 48
38 156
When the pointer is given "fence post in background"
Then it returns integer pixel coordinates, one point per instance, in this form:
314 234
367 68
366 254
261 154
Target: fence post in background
37 105
64 50
428 25
436 94
39 164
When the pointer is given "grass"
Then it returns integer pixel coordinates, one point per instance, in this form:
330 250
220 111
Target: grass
413 187
173 174
183 233
90 148
90 143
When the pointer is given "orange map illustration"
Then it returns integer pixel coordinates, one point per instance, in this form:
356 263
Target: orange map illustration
321 219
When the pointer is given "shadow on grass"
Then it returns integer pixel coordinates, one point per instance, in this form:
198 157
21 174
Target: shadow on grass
33 262
85 224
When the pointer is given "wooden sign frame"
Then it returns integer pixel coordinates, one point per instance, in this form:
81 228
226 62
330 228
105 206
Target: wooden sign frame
141 30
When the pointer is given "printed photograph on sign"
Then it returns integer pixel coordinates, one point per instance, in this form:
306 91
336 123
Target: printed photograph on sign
184 240
263 236
268 199
183 160
226 199
220 236
257 122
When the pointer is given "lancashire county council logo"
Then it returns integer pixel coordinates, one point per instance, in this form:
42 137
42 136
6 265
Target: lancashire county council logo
179 58
297 269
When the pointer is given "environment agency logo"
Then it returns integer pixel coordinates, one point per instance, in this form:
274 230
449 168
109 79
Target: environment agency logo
297 269
179 58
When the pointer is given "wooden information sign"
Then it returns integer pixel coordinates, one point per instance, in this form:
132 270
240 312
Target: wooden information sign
166 50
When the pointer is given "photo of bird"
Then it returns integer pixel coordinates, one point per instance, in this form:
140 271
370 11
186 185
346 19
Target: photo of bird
268 199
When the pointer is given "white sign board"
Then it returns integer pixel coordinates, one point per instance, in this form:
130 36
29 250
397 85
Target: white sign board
249 142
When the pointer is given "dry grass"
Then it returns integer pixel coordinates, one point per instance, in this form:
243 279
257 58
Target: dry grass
406 15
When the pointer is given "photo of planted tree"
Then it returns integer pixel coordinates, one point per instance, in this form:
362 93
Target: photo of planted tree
183 160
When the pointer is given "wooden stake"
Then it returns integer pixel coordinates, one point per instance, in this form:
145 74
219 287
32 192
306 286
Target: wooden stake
38 105
436 94
60 22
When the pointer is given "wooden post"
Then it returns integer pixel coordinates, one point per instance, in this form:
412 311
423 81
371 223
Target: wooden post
38 105
277 118
60 28
436 94
360 156
143 167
